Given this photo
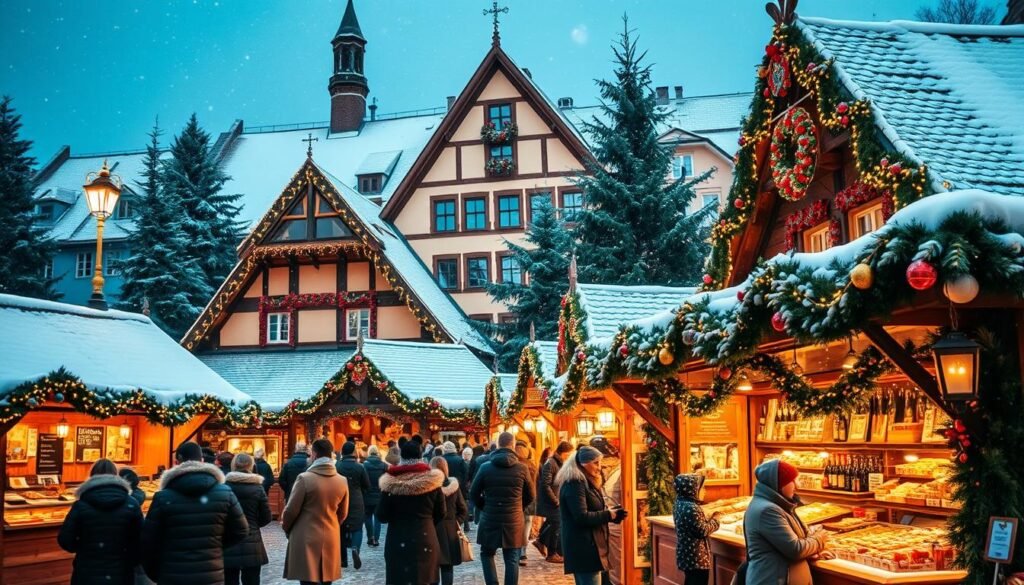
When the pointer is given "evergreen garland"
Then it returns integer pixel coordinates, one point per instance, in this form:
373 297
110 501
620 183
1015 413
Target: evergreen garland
660 474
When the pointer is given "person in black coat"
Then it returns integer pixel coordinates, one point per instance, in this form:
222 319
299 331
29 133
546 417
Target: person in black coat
298 463
585 517
474 468
693 551
502 489
102 529
264 470
456 466
224 461
242 561
192 519
411 504
449 539
549 541
375 468
129 475
358 484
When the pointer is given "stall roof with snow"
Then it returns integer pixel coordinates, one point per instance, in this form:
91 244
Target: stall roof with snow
607 307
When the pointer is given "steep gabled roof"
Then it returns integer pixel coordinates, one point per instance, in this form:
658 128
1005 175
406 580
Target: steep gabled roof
414 281
495 60
947 96
607 307
349 23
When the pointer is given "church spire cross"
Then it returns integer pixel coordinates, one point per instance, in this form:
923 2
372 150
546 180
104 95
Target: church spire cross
495 11
309 147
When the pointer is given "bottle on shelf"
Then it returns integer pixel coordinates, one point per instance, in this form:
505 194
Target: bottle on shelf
762 420
825 484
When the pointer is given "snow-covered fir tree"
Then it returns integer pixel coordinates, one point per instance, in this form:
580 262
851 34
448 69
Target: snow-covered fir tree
193 177
26 249
160 274
634 228
546 262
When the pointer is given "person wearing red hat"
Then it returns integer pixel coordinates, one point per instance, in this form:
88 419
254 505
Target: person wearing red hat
778 542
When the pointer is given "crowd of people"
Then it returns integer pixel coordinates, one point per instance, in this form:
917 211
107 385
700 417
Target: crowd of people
203 525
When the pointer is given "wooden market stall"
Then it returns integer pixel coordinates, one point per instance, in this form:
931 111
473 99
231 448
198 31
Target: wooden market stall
78 385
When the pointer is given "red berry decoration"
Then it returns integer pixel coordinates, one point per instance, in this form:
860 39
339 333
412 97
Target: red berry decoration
623 350
895 168
962 458
358 358
921 275
959 426
738 203
653 444
712 394
778 322
707 279
884 162
349 366
725 373
742 140
845 120
739 295
842 108
580 356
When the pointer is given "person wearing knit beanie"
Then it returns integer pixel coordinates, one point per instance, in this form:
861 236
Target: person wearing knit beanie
787 474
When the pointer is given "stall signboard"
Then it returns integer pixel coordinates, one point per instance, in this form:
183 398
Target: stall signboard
49 455
88 444
716 427
1002 537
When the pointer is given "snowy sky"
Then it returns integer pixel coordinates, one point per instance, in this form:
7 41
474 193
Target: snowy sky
95 74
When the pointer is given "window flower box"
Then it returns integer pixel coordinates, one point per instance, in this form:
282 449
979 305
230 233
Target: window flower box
490 134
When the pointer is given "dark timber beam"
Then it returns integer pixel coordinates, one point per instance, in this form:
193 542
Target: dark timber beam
898 355
663 429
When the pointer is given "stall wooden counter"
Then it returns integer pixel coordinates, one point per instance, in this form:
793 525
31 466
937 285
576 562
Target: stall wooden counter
728 552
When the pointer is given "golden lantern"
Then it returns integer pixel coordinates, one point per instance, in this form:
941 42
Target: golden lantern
605 419
744 384
102 190
125 430
62 427
956 363
585 424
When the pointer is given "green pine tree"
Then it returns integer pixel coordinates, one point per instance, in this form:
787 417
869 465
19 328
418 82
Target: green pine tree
209 223
160 274
546 261
634 228
26 249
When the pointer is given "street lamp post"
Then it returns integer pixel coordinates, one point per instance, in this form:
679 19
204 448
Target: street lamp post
101 192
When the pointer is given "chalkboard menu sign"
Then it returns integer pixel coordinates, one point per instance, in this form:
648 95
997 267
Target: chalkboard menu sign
49 455
88 444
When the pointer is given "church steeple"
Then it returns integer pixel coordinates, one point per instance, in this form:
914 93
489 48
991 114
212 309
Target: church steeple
348 86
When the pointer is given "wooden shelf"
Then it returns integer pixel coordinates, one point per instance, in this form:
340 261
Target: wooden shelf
929 510
839 494
792 446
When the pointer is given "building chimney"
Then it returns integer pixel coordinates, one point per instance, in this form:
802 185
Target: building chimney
451 102
679 92
373 110
565 103
661 95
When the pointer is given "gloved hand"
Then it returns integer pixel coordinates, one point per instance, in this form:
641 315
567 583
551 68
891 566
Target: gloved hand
618 515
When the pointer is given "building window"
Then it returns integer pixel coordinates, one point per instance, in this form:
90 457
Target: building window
475 211
682 166
711 199
112 262
45 212
508 211
503 151
507 319
444 215
511 272
499 115
818 239
48 269
358 321
866 220
125 208
572 204
478 272
447 273
83 265
370 184
277 327
537 202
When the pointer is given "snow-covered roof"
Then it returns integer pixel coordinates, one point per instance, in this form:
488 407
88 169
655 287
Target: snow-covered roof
275 378
261 164
448 373
76 225
379 162
508 384
947 96
608 307
411 269
547 353
107 350
715 117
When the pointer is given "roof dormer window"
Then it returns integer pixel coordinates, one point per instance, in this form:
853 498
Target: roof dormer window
371 184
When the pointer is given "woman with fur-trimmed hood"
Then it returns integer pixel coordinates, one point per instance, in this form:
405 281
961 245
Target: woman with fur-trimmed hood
411 504
102 529
455 513
242 562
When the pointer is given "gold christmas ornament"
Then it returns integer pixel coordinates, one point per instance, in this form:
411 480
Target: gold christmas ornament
862 276
665 356
962 289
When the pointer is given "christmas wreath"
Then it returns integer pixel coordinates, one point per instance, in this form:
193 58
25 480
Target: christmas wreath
491 134
794 149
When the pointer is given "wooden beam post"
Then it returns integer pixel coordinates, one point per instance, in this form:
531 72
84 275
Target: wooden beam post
663 429
677 425
898 355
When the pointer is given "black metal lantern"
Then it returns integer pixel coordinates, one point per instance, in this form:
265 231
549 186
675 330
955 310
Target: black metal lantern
956 363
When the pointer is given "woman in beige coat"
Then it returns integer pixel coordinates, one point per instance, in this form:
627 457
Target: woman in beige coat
312 520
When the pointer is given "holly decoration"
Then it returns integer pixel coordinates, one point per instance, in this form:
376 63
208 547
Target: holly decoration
794 150
921 275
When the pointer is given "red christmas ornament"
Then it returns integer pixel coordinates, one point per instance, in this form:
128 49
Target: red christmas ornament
738 203
358 358
564 300
742 140
349 366
842 108
966 443
962 458
895 168
845 120
725 373
623 350
959 426
778 322
653 444
921 275
811 66
949 433
580 356
739 295
712 394
707 278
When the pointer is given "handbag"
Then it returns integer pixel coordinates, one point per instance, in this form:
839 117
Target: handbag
465 547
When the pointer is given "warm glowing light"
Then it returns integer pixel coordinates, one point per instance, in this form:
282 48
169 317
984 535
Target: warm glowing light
528 425
823 455
910 458
605 419
542 425
126 431
514 429
501 428
787 453
744 384
62 428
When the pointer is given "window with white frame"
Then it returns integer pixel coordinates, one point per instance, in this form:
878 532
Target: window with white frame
817 239
866 220
713 199
48 269
682 166
83 265
112 262
358 321
277 327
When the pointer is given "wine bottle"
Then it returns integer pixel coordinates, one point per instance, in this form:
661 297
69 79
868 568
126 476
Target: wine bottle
761 421
824 474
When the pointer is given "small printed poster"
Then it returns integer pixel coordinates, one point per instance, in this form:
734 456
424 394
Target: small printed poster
49 455
119 449
1002 536
88 444
858 428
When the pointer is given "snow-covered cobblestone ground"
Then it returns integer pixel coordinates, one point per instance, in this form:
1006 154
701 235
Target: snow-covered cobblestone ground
537 572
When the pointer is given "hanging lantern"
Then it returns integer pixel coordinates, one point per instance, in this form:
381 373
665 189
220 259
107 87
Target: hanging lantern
585 424
62 427
921 275
851 358
862 276
605 419
528 425
125 430
956 363
962 289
